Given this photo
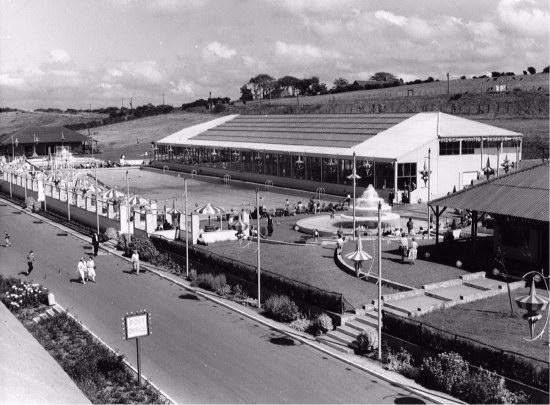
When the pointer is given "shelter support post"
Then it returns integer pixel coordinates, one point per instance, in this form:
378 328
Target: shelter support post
437 225
395 181
474 230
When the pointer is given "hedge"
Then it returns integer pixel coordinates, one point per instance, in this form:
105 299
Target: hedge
272 282
528 370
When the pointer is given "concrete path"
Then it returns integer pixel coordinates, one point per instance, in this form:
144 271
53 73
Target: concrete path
28 374
199 351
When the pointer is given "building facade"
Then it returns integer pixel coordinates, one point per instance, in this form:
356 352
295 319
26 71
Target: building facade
393 151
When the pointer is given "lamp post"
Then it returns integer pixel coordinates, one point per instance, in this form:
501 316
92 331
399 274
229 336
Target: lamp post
429 184
127 202
354 177
96 201
186 230
258 232
379 281
534 305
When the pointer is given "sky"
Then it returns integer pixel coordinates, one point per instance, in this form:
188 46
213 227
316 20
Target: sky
77 53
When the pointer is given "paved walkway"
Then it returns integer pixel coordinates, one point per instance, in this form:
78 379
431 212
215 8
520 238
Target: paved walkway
28 374
302 364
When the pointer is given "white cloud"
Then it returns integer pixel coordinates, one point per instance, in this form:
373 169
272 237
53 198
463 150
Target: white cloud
182 87
216 50
523 17
299 51
148 70
11 81
59 56
390 17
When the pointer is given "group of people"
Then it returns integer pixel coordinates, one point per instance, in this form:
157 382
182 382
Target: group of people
86 269
408 251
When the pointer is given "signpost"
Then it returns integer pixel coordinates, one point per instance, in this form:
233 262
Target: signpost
135 326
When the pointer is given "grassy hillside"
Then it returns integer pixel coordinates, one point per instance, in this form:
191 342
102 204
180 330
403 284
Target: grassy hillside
133 138
15 120
529 83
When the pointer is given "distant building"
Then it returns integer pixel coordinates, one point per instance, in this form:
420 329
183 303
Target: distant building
363 83
41 141
315 151
519 202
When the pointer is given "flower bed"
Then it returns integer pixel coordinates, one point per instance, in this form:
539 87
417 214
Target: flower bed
99 373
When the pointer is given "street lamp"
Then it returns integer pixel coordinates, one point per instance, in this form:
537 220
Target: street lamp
379 280
186 230
534 305
258 232
354 177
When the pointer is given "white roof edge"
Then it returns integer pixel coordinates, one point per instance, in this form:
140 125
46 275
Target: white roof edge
189 132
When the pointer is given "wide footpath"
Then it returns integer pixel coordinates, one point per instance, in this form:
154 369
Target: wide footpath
28 373
201 349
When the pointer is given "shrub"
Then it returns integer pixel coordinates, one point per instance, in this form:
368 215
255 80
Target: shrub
401 362
365 343
301 324
238 292
111 233
445 372
29 202
210 282
281 308
192 274
323 323
484 387
144 247
25 295
224 290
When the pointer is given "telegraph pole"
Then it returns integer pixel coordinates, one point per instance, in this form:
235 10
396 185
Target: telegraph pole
258 232
186 231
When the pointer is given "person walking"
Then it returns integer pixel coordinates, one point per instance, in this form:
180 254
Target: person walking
391 197
404 247
269 226
339 245
410 225
30 262
90 269
135 262
81 269
413 251
7 242
95 242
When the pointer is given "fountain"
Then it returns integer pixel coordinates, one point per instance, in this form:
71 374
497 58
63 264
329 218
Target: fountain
366 212
366 217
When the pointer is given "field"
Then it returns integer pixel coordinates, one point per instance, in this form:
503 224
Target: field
133 138
525 83
15 120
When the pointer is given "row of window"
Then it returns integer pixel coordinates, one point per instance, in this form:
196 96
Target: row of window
468 147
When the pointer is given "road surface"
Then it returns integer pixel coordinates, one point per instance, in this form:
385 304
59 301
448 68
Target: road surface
198 352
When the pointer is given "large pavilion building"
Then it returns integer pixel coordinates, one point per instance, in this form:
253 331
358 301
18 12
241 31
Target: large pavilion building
315 152
41 141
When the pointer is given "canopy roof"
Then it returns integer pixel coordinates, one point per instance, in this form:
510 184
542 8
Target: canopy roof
523 194
382 136
43 135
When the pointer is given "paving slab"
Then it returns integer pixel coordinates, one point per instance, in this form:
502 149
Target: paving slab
455 292
412 304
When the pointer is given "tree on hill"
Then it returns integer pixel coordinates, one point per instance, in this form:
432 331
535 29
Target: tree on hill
545 70
531 70
289 82
383 77
246 94
260 84
340 83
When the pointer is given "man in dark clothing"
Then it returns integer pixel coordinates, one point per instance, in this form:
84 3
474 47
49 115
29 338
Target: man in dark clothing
95 242
391 197
269 226
410 225
30 262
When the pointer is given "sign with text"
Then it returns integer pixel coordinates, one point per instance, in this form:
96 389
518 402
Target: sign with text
136 325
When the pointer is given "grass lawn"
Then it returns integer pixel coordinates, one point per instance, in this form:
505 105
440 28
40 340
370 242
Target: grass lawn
414 275
309 264
489 321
